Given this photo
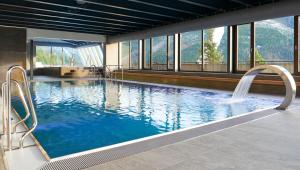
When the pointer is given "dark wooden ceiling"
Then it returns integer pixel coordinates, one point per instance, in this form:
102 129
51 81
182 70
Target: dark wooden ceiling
112 17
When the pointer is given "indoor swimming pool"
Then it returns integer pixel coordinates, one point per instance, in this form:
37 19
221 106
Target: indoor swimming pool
76 116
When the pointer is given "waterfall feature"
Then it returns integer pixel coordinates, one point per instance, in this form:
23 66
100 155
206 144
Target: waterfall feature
244 85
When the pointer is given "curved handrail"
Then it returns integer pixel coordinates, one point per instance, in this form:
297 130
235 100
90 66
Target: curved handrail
4 109
28 94
289 82
106 67
21 94
113 72
94 69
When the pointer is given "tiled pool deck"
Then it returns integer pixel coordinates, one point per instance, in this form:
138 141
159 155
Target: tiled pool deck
271 142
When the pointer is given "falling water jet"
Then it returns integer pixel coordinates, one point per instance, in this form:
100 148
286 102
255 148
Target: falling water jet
244 85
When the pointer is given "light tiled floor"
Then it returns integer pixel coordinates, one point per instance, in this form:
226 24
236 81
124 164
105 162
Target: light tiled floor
270 143
29 151
2 167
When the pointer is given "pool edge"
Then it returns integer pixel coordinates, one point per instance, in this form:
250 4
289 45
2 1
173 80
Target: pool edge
97 156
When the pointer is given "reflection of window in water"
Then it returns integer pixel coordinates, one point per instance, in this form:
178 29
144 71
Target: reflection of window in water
173 111
112 94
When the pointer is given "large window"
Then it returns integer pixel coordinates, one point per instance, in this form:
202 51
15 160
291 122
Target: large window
274 42
89 56
215 49
263 42
147 53
52 56
191 51
171 55
134 54
159 53
125 55
244 46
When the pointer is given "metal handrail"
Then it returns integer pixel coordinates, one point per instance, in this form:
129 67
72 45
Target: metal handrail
4 104
8 105
22 96
113 72
94 70
106 67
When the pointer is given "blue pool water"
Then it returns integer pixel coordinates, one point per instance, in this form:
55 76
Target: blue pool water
76 116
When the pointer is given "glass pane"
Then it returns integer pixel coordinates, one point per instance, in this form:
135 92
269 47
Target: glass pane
215 49
83 56
98 58
72 57
90 56
275 42
125 55
244 35
47 56
76 59
191 51
67 53
147 54
57 56
171 53
134 54
43 58
159 53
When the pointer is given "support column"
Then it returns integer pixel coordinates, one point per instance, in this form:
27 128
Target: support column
234 48
229 52
140 54
176 52
119 56
252 41
168 52
31 57
151 53
103 45
202 50
296 45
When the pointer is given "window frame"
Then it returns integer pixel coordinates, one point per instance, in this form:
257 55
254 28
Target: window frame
232 50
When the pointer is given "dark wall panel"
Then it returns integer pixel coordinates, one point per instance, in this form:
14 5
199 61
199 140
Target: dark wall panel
12 48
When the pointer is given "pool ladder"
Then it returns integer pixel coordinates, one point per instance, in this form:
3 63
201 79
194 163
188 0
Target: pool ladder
8 128
93 70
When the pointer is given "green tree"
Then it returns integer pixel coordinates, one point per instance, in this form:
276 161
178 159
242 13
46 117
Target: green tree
259 58
42 56
210 48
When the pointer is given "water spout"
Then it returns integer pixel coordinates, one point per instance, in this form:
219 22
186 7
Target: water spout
244 85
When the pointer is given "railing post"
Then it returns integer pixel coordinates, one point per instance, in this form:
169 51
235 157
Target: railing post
122 73
4 104
8 111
